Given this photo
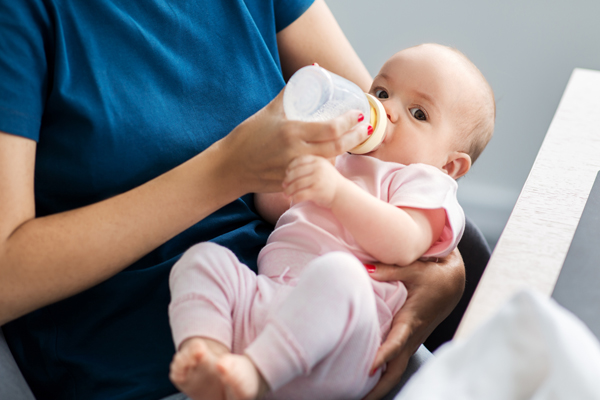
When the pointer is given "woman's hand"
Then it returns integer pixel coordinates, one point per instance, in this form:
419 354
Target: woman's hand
434 289
260 149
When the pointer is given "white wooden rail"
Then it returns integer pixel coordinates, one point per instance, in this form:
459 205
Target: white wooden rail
535 241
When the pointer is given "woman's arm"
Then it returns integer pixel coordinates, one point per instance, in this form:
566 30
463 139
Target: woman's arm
316 37
43 260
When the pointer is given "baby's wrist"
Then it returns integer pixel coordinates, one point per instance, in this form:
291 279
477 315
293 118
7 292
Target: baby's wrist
341 193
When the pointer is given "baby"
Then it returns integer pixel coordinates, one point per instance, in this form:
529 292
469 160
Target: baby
309 325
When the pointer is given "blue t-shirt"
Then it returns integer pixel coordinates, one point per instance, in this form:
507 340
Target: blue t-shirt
117 92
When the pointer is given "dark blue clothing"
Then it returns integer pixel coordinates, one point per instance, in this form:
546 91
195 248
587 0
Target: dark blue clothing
117 92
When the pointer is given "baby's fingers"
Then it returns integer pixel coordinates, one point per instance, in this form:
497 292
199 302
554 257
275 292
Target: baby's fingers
297 189
298 168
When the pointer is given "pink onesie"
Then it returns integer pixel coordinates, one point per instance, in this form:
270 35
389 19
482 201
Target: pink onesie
312 320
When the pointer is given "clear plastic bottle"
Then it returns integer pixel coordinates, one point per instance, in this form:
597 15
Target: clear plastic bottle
315 94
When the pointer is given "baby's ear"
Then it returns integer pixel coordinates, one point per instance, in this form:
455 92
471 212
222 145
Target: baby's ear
458 164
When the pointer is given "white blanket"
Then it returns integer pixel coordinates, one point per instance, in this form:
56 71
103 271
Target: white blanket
531 349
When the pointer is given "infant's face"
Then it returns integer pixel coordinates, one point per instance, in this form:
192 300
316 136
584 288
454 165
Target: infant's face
421 89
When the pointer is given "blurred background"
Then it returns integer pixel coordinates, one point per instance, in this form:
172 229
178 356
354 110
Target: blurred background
527 49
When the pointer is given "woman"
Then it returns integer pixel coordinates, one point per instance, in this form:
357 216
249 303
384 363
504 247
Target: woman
132 131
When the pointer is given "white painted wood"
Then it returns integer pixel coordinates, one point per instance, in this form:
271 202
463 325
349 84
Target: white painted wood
536 239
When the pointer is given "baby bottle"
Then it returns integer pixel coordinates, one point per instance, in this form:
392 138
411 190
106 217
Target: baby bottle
315 94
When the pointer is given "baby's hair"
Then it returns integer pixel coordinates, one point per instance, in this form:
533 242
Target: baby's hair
478 120
478 125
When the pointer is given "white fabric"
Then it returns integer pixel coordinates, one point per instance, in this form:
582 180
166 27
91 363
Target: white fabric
531 349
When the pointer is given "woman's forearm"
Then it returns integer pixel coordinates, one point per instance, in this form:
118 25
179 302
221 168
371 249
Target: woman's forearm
50 258
43 260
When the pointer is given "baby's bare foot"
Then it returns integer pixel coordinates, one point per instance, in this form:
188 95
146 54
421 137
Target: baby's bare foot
194 369
241 378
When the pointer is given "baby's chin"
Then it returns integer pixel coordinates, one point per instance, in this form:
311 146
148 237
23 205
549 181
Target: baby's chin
373 153
380 153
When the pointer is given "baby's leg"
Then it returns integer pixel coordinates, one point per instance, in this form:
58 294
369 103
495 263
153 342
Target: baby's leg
211 293
325 334
194 368
204 369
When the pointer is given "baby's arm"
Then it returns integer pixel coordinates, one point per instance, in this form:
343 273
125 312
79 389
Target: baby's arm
392 235
270 206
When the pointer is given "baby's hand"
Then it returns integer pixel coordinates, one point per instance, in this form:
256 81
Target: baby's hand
312 178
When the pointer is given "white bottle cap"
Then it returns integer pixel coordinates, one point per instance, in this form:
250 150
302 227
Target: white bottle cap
378 122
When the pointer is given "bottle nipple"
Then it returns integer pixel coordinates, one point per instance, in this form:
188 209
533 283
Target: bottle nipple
378 122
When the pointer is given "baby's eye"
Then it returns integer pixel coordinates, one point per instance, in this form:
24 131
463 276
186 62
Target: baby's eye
418 113
381 94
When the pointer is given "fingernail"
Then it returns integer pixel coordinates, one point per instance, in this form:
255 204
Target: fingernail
361 117
370 130
370 268
373 372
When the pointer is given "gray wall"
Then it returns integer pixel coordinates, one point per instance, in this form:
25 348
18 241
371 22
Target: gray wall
527 50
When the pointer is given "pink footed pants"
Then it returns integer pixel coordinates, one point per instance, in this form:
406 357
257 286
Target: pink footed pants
314 340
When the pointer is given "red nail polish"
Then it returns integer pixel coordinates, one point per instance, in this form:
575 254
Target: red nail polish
370 268
361 117
373 372
370 130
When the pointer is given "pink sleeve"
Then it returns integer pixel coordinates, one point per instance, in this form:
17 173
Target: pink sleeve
425 187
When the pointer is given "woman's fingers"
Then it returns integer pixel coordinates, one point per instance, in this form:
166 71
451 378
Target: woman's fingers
340 144
386 273
331 130
393 345
402 342
259 150
389 379
331 138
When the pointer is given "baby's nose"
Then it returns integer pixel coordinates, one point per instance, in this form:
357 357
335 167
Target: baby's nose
392 115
